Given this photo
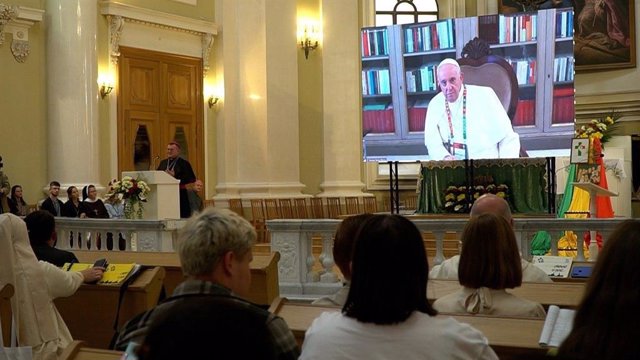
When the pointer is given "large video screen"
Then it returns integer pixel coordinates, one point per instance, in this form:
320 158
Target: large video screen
504 89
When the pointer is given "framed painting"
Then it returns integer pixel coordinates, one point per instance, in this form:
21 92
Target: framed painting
604 30
580 151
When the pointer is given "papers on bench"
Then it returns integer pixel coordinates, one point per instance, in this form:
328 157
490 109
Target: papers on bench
557 326
114 273
554 266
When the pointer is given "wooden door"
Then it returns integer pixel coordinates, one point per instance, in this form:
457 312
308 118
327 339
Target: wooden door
160 100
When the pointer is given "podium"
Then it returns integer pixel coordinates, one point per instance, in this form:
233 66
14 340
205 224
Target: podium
163 186
593 190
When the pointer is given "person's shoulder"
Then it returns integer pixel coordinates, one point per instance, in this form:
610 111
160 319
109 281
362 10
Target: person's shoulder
459 333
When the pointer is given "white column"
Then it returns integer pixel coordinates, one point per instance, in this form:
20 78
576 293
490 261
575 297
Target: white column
258 137
72 92
341 104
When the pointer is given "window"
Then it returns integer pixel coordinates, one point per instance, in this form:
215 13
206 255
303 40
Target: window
390 12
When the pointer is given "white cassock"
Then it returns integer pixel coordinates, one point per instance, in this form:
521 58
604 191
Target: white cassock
489 131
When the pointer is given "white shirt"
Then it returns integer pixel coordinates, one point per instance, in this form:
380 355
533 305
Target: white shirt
489 302
448 270
489 131
335 336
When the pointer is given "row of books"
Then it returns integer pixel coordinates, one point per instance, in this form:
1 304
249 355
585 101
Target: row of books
375 42
563 69
563 105
376 82
502 29
378 118
525 70
422 79
432 36
564 24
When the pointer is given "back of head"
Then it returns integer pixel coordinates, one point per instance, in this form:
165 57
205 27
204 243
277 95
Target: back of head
208 235
41 225
492 204
489 256
343 242
210 327
388 273
606 322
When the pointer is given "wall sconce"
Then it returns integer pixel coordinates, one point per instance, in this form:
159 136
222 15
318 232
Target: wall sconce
105 83
212 101
308 36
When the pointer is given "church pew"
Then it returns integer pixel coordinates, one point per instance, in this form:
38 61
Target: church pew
78 350
6 293
509 337
561 294
91 311
264 269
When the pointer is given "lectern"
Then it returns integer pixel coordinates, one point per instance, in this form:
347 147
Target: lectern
593 190
163 202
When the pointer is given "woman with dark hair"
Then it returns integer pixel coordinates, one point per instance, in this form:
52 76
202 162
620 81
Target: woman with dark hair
387 315
17 205
41 226
94 206
73 207
606 322
489 264
343 242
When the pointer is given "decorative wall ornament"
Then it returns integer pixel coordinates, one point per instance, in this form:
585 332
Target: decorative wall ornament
7 13
116 23
207 43
20 50
17 20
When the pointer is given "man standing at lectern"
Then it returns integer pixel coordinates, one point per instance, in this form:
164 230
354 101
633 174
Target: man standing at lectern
180 169
467 121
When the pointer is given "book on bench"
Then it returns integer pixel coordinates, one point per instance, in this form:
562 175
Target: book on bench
114 273
557 326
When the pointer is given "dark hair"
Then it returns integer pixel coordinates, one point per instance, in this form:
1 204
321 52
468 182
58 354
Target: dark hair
388 272
343 242
489 256
41 226
13 194
606 322
54 183
201 327
69 190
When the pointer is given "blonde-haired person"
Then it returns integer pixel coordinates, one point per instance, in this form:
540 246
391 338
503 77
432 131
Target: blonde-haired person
489 264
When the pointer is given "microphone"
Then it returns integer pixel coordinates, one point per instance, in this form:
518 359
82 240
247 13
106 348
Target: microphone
153 162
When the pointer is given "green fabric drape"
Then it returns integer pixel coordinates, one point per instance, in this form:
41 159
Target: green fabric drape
568 192
526 179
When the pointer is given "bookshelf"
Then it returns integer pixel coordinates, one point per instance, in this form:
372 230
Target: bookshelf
539 47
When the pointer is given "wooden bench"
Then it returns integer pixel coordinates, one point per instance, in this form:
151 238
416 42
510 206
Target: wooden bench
561 294
6 293
509 337
77 350
264 269
91 311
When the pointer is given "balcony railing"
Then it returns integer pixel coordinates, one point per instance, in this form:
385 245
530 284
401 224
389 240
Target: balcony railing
293 239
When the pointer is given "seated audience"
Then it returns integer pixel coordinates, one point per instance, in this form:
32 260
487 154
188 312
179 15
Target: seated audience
52 204
489 264
74 207
37 284
215 249
387 315
93 205
17 205
114 206
488 203
606 321
342 248
193 327
42 226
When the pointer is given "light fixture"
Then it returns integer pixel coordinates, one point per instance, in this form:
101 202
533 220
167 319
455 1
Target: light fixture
212 101
308 36
105 83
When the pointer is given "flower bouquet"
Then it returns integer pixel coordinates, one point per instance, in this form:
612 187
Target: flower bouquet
601 128
133 192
